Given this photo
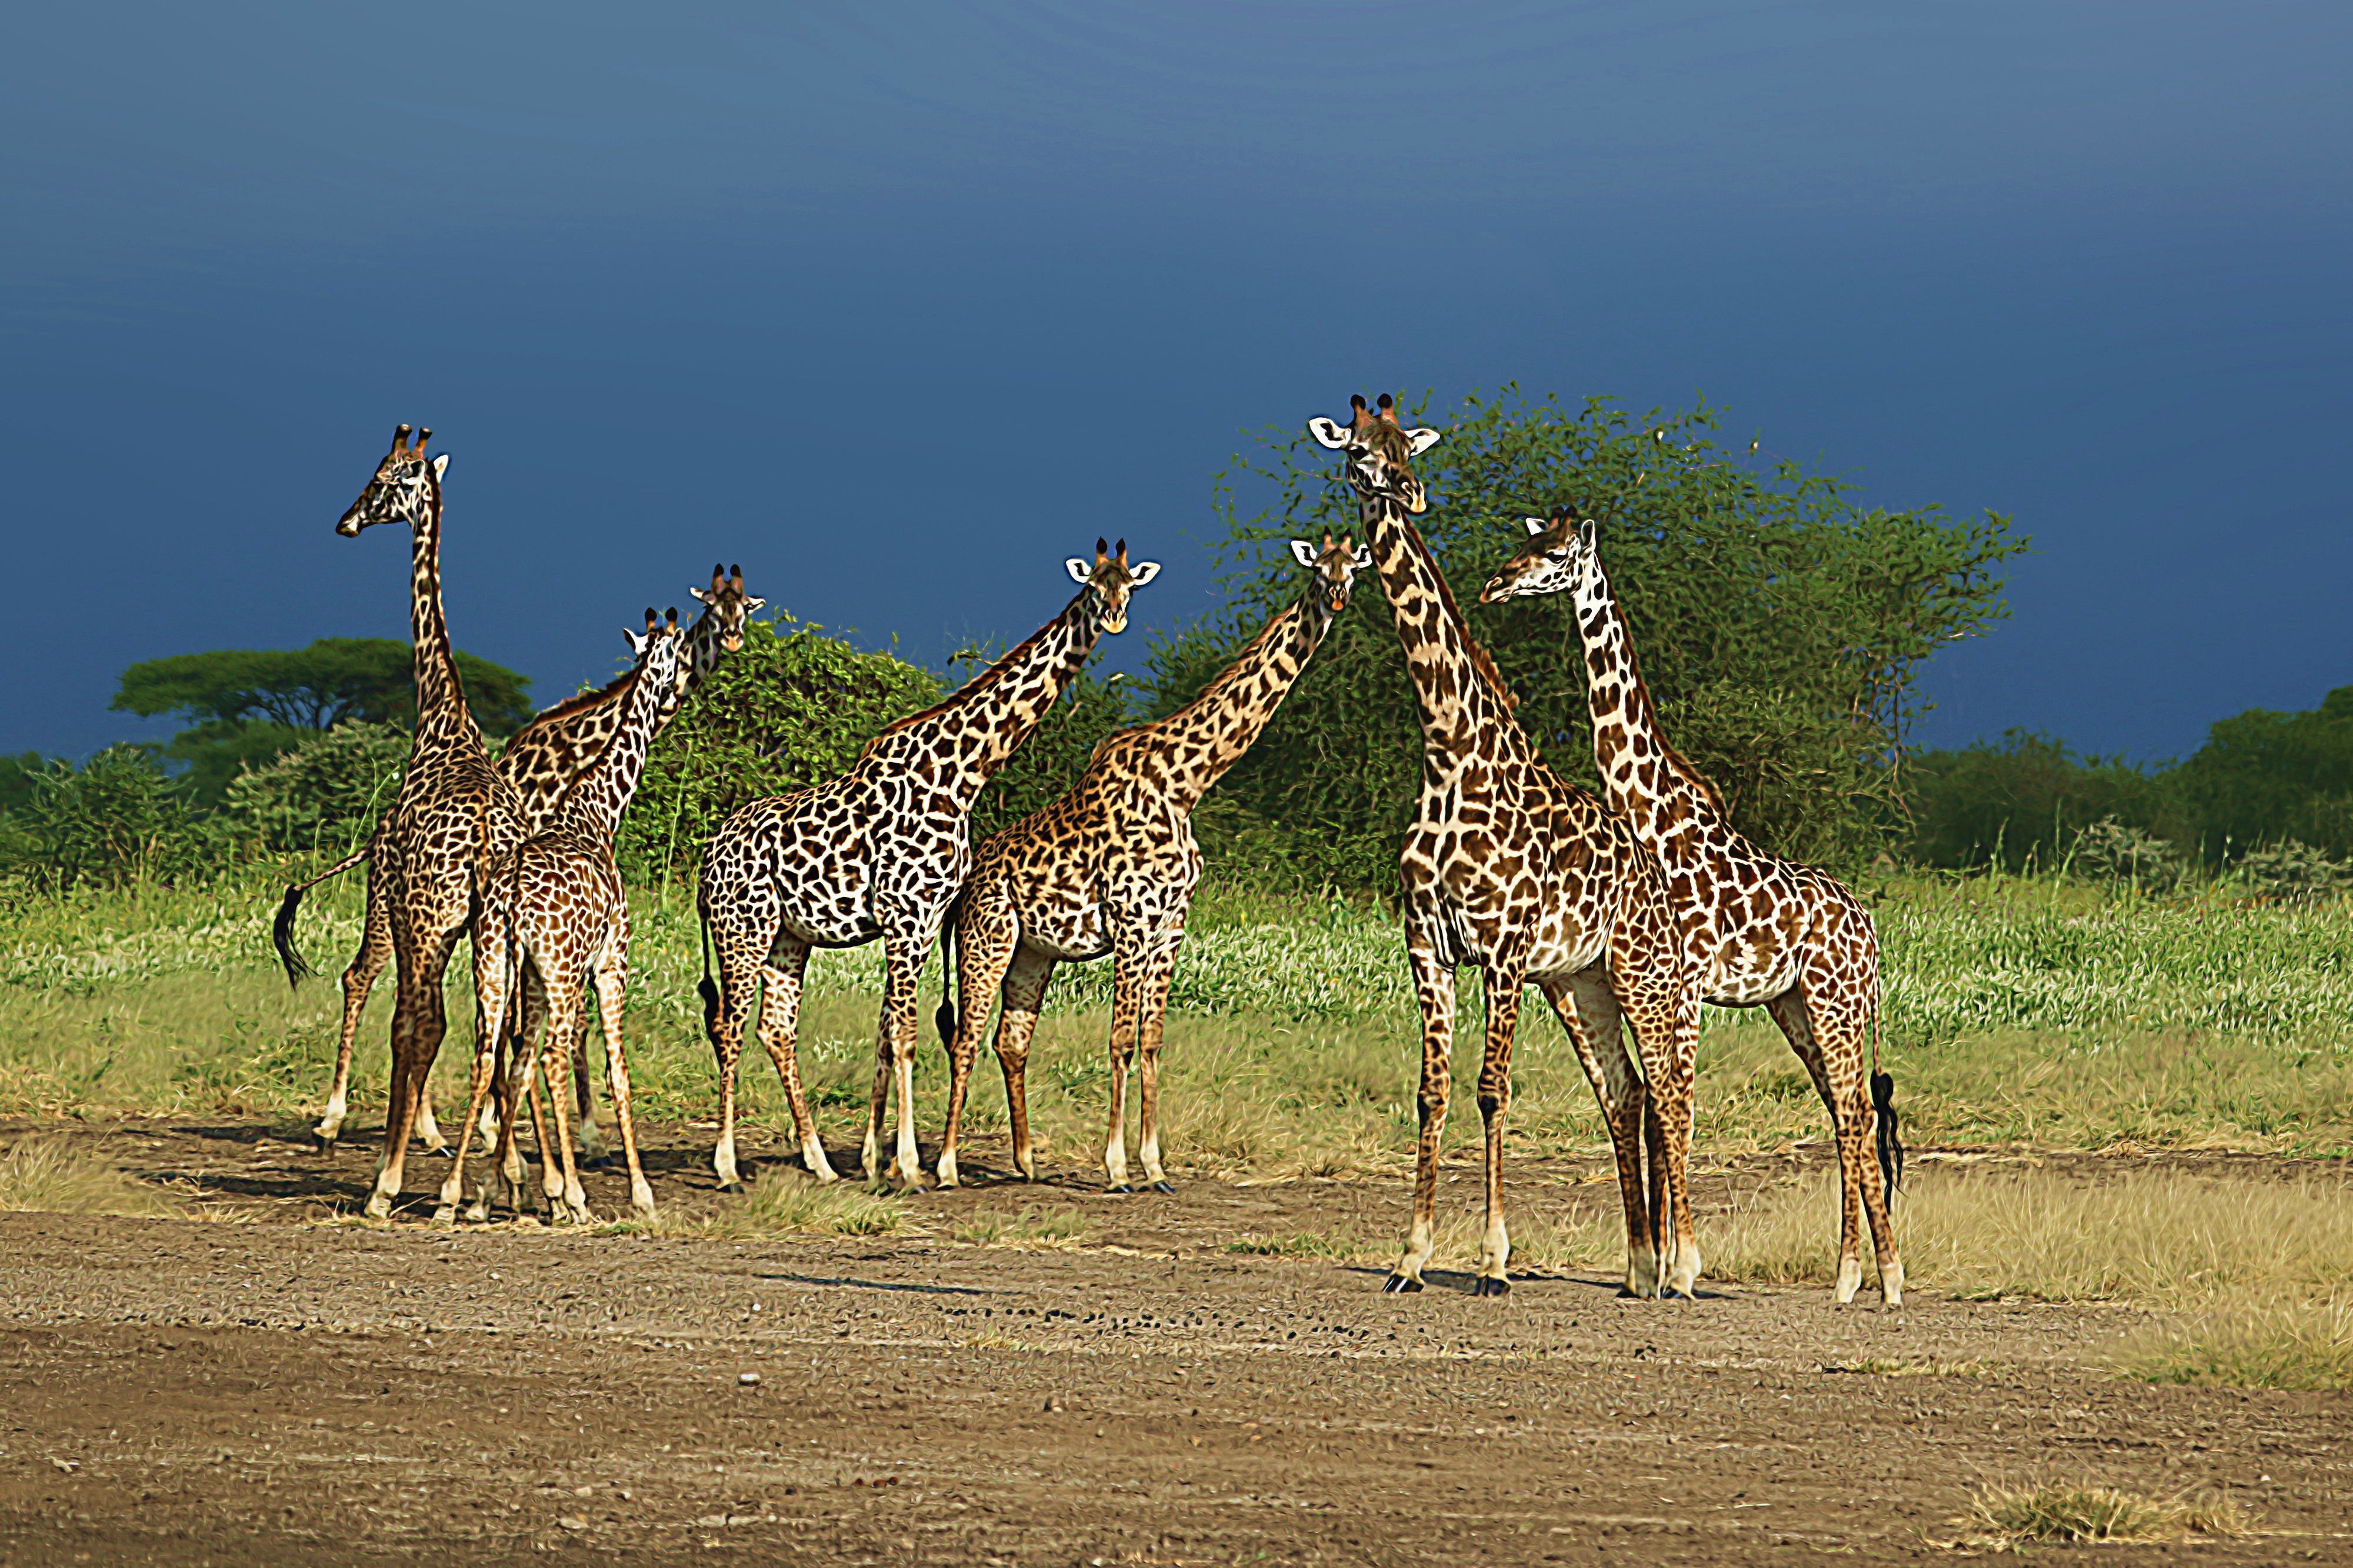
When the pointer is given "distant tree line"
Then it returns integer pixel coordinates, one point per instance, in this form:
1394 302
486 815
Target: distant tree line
1781 627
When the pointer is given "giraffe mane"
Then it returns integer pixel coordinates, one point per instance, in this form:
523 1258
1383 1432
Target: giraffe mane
980 685
1480 659
574 704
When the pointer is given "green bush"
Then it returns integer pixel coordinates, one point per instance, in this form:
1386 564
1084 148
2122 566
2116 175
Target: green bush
2027 798
788 710
326 794
116 819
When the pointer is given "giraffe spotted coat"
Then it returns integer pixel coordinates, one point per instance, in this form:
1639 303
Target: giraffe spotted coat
541 761
1509 866
555 922
878 852
1110 868
1762 931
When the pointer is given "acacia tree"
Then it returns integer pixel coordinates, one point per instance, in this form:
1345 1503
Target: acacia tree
1780 624
248 706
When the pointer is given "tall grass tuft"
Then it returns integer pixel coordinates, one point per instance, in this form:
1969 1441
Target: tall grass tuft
2062 1513
43 1175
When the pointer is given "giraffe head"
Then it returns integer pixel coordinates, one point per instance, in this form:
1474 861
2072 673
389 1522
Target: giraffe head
1559 558
1336 566
1380 451
406 488
1112 579
660 652
728 605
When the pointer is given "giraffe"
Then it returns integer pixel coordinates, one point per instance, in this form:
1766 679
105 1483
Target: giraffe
541 761
554 921
1110 868
877 852
1509 866
1768 932
453 811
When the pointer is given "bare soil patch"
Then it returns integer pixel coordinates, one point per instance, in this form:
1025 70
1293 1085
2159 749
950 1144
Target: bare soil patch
309 1389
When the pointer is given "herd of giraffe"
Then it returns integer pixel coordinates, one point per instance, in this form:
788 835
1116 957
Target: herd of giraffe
1626 910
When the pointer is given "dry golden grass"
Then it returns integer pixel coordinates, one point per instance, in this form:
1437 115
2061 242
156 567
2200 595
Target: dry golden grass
43 1174
2152 1237
2062 1512
1033 1229
782 1201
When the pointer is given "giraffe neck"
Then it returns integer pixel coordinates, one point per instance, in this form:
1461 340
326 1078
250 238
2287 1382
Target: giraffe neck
550 752
1645 778
441 710
1198 742
601 794
1463 708
968 737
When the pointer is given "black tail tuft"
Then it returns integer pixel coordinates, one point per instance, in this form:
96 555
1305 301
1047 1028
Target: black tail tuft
282 935
1891 1142
944 1020
709 990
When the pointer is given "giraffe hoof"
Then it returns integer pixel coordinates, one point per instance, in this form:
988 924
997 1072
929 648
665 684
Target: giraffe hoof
1120 1187
1164 1186
1400 1285
1489 1285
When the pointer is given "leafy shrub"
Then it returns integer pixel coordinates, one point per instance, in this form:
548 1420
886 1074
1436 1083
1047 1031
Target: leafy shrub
325 794
788 710
115 819
2293 872
2108 851
2027 798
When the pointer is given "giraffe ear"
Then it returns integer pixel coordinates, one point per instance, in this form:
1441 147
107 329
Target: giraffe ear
1364 557
1537 526
1328 433
699 596
1304 553
440 465
1144 571
1079 568
1586 533
751 603
1423 438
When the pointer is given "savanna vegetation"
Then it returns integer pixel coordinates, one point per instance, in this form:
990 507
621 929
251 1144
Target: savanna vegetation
2082 955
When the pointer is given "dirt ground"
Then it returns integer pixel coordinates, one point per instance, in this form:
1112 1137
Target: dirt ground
306 1389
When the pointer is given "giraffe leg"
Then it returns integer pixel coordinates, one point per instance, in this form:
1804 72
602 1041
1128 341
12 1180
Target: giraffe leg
1433 984
1588 1009
1024 994
612 994
987 935
492 959
1502 984
1128 962
1833 1044
1152 1018
736 955
366 967
563 1013
894 1058
591 1142
418 1023
780 1013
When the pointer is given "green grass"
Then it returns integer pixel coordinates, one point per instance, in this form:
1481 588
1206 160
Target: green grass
2019 1015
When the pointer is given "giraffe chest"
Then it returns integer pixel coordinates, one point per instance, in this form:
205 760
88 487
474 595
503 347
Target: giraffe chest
1075 896
1522 883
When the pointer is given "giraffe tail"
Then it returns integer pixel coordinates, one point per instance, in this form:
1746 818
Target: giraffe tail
1882 1103
281 932
707 988
944 1020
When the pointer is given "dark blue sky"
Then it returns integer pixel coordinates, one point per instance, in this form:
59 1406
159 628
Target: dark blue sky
898 306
